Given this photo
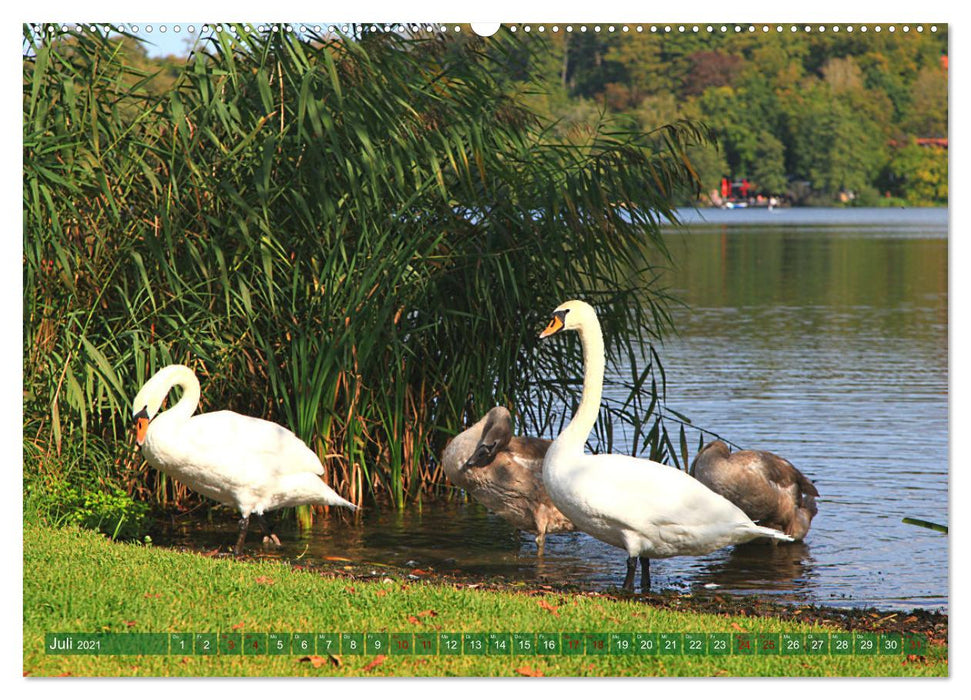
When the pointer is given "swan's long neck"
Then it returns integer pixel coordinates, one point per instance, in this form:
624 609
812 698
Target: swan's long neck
186 379
575 435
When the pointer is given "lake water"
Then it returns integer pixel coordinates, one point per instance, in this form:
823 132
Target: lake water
820 335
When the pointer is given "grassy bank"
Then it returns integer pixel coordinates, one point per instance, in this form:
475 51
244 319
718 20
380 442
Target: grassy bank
78 581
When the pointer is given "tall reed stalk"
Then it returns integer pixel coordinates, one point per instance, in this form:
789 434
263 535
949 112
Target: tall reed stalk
357 237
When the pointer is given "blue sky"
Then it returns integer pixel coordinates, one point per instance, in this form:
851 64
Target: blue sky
175 39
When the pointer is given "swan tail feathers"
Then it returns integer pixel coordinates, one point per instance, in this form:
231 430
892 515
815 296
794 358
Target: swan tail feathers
335 500
773 534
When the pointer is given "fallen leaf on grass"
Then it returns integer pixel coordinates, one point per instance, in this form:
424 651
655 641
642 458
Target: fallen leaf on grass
428 613
414 620
265 579
378 660
914 659
737 627
420 572
546 606
238 626
315 661
381 592
130 623
529 671
153 595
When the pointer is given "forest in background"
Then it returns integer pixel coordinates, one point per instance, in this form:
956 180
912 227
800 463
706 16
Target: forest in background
819 118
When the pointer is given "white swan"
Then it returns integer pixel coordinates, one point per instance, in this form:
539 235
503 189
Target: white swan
505 474
249 463
648 509
764 485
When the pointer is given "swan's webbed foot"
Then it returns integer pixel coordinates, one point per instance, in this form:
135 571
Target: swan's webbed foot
243 525
269 537
631 570
645 575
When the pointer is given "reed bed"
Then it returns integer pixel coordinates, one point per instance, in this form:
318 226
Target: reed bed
358 237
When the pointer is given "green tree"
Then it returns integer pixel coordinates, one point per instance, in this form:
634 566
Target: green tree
918 174
926 116
768 171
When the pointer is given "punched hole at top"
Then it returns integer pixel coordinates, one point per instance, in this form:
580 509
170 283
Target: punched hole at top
485 28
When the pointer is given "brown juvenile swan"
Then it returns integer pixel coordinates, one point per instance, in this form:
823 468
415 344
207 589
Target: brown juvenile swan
505 474
767 487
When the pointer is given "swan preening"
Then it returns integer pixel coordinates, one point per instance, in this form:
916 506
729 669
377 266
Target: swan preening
648 509
767 487
249 463
505 474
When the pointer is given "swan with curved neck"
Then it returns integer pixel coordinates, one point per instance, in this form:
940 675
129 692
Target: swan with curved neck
504 473
251 464
648 509
764 485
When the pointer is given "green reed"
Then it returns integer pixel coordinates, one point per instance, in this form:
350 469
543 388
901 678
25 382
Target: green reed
358 237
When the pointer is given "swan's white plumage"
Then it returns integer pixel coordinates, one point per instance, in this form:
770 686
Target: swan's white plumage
648 509
252 464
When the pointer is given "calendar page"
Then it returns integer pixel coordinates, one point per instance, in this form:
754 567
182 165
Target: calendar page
425 349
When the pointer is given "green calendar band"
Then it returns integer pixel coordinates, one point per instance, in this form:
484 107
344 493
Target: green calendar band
483 643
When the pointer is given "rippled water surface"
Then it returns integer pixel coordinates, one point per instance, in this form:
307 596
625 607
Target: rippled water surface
820 335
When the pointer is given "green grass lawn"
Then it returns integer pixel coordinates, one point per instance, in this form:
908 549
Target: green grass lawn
79 581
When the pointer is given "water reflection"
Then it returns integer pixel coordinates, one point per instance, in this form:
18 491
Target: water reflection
758 568
463 538
824 340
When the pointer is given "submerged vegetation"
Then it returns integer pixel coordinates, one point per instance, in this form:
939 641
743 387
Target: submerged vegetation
356 237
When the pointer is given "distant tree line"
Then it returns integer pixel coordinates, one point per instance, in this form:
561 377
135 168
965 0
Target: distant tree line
816 117
819 117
